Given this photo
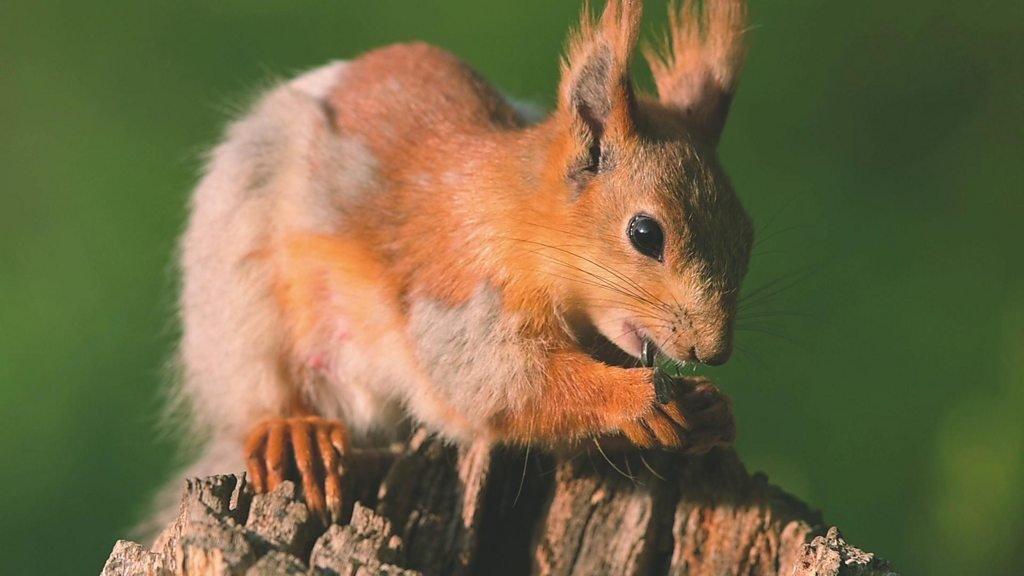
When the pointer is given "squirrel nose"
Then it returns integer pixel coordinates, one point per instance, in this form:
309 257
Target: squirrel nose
716 354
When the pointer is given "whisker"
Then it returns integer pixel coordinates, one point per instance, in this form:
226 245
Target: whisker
779 335
750 354
610 463
774 288
606 283
780 232
661 326
767 285
613 305
771 219
596 285
758 315
526 463
649 298
651 469
653 301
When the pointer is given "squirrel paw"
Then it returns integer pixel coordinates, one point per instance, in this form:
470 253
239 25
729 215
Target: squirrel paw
310 446
696 419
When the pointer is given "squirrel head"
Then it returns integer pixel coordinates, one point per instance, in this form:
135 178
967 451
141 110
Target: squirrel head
666 240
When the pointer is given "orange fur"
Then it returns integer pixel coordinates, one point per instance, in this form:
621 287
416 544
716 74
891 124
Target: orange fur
464 182
697 67
413 240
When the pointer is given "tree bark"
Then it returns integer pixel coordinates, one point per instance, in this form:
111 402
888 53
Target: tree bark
432 509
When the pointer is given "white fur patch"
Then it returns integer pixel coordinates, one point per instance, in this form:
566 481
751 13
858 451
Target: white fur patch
474 353
281 169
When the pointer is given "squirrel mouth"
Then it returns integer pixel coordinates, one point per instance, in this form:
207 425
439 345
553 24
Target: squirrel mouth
650 356
649 353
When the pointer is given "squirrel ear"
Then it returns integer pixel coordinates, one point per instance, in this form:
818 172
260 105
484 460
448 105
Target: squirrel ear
596 91
697 67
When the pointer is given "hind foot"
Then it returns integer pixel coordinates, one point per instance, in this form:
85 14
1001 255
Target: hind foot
308 449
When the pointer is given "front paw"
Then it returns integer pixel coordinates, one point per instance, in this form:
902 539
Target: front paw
306 448
696 418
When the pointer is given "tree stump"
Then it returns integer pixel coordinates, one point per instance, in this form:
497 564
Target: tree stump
433 509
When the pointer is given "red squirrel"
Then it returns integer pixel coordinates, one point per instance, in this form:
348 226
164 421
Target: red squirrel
390 239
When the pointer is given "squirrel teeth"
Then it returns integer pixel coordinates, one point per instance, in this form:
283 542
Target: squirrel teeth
663 382
647 354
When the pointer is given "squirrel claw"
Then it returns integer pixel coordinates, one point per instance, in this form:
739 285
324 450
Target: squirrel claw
309 449
696 419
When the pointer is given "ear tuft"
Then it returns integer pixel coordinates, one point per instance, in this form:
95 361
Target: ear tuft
596 91
696 69
620 24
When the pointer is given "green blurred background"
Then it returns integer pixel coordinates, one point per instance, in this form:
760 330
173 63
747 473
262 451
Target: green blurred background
877 144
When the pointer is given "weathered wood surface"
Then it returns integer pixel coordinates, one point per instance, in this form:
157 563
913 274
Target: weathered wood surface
440 510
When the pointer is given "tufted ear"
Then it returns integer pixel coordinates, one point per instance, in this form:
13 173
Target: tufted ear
596 92
697 68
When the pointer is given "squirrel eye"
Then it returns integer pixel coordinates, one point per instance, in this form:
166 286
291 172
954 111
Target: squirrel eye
647 237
